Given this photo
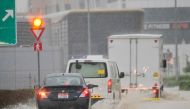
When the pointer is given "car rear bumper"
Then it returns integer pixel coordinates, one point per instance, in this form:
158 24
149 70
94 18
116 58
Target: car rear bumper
80 103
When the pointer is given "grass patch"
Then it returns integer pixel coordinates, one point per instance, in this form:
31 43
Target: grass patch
171 82
11 97
183 82
184 85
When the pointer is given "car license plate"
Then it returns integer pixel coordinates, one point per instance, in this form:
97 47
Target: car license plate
63 95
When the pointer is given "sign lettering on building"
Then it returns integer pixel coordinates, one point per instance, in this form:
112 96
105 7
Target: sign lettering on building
164 26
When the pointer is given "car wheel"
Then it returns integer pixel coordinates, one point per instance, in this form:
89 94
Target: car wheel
84 107
40 108
161 90
90 104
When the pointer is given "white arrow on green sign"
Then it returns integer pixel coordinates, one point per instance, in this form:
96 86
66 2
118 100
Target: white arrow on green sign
7 22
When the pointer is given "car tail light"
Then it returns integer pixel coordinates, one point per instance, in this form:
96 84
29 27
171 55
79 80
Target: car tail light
155 90
43 94
109 86
85 93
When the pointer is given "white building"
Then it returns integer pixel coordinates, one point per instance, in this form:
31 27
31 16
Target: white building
22 6
52 6
146 3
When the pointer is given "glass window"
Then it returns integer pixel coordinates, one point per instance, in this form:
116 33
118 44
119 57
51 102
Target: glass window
113 70
63 80
90 69
116 70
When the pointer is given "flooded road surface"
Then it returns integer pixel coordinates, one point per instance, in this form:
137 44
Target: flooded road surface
29 105
172 99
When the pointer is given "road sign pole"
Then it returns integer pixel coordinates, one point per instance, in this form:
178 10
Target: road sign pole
38 59
176 43
38 48
37 30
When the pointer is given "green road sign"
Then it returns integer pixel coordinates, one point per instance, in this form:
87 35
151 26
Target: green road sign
7 22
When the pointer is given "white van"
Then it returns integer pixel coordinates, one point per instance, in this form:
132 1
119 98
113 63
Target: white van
102 73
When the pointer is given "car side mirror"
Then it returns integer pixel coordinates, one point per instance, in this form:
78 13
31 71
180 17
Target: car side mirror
121 75
90 86
78 66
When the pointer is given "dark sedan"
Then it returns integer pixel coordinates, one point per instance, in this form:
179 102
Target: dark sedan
63 91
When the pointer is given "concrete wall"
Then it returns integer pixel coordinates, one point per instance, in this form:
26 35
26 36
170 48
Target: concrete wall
18 66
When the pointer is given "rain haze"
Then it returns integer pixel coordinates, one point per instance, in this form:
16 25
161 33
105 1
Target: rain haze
75 29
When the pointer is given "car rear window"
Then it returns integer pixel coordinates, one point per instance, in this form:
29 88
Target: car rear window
90 69
63 80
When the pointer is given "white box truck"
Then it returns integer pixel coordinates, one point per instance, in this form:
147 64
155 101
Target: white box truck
140 57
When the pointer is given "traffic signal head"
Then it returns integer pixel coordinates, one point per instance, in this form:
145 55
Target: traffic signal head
37 23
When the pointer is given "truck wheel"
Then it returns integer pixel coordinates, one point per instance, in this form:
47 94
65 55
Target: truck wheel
113 95
119 95
161 90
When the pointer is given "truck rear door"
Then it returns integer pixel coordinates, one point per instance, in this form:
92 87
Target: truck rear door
133 62
148 62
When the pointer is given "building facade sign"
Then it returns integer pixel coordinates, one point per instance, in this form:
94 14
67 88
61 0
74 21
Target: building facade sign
164 26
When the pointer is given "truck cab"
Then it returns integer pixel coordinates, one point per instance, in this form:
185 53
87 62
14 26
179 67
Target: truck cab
102 73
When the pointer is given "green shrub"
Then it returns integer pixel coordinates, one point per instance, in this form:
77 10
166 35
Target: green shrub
184 85
187 68
184 77
184 82
170 82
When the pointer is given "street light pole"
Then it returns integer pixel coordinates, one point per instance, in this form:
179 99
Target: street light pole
88 25
176 43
